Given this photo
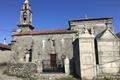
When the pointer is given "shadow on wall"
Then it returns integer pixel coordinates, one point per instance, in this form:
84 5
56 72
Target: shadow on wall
76 59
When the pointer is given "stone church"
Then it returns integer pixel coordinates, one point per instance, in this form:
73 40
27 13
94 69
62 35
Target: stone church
88 48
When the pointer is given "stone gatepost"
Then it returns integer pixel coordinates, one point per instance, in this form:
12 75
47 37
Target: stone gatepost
27 56
87 56
39 63
67 65
39 66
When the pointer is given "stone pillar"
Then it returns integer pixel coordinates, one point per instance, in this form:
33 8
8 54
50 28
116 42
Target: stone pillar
67 65
87 56
39 66
27 57
39 63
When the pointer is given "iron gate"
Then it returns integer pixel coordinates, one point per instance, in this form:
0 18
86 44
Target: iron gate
52 66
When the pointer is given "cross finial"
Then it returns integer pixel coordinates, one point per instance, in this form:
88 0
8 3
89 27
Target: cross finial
26 1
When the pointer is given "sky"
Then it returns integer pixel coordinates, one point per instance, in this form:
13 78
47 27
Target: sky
55 14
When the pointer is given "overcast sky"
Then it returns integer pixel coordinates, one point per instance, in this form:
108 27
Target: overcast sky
54 14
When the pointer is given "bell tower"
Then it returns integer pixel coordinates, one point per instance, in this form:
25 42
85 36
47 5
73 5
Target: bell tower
25 23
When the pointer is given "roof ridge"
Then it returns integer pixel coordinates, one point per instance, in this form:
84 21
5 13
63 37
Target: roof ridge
101 34
44 32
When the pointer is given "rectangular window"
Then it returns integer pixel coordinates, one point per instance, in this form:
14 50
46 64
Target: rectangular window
53 41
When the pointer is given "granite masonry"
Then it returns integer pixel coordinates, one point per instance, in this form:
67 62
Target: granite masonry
88 48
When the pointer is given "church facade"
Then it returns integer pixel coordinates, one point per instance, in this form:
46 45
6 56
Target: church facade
89 47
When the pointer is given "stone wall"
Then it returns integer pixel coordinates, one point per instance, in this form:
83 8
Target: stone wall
21 47
98 24
60 44
108 52
44 45
21 69
80 48
5 56
109 57
87 57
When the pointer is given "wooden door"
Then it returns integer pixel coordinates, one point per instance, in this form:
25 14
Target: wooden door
53 60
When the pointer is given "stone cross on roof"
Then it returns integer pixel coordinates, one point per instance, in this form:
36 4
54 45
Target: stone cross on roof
26 1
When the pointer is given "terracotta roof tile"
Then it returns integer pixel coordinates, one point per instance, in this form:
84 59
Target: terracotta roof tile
42 32
4 47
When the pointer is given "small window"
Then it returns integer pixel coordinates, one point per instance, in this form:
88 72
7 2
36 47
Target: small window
53 41
24 19
25 6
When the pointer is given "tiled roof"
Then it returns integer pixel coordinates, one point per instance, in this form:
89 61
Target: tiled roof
4 47
42 32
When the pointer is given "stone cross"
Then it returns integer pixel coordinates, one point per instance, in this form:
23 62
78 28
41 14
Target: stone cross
26 1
